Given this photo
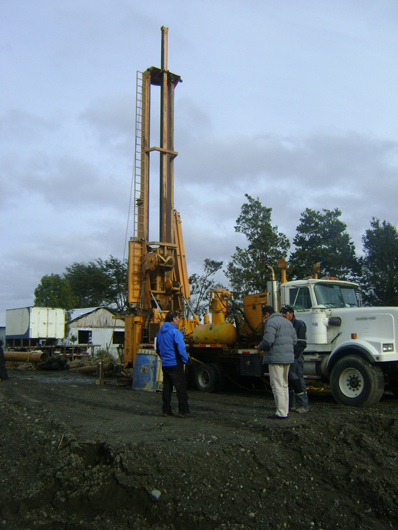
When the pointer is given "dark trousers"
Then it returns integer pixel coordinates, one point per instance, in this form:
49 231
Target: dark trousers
297 384
174 376
3 373
3 369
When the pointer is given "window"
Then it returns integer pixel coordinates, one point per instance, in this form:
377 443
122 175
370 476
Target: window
300 298
84 336
118 337
335 295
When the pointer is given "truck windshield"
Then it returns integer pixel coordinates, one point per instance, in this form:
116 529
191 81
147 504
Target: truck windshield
334 295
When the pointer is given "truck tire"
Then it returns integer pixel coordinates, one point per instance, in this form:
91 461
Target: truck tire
220 374
356 383
206 378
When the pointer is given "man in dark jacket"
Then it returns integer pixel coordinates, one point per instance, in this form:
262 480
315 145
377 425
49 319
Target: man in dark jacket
277 344
171 349
298 390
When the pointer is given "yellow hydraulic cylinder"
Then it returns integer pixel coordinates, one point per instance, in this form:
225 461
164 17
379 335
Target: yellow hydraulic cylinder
132 338
135 277
215 334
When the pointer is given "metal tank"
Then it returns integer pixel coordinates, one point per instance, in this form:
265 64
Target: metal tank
215 334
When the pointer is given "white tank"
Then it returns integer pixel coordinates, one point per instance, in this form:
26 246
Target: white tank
317 331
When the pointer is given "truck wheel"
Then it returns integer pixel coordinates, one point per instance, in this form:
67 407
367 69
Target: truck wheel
356 382
206 378
220 374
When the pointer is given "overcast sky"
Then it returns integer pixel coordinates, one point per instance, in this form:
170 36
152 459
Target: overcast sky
291 101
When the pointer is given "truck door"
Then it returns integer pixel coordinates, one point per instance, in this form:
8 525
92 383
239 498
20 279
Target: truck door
300 298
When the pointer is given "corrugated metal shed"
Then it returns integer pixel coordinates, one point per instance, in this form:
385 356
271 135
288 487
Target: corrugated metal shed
96 325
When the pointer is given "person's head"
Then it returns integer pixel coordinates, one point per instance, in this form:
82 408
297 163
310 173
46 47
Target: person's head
267 310
172 316
287 312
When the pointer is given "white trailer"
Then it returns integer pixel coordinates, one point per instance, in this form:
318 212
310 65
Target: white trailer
35 323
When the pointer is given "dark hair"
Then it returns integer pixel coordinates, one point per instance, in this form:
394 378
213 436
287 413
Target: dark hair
287 309
267 309
171 316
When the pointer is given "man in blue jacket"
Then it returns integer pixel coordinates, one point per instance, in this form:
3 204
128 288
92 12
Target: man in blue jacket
277 345
171 349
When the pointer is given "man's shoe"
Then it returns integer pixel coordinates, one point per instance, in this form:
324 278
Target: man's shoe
302 410
276 417
167 414
185 415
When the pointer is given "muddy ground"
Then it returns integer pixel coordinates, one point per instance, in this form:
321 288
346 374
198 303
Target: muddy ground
77 455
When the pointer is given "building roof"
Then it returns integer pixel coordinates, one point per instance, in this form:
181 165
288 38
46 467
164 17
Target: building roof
77 313
95 317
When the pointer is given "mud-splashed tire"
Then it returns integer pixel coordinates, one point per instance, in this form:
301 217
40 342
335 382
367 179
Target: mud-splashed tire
206 378
356 383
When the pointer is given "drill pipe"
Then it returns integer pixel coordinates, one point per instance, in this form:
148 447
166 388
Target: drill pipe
26 356
91 368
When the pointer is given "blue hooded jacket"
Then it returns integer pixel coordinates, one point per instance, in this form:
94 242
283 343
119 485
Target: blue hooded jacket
169 343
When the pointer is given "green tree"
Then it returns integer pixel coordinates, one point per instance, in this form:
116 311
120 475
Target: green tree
98 283
248 271
116 271
54 291
380 264
322 238
89 283
94 284
200 284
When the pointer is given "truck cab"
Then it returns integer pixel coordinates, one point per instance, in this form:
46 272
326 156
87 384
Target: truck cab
351 347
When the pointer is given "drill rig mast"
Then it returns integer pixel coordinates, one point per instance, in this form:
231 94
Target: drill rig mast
157 272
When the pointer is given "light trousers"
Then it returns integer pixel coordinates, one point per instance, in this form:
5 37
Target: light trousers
278 374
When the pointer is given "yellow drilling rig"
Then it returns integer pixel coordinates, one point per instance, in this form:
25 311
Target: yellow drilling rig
157 271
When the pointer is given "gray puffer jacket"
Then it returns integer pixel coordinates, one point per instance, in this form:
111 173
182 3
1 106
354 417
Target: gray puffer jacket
278 341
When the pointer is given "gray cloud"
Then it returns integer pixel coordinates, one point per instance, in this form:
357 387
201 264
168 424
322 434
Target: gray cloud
353 172
112 120
19 125
60 182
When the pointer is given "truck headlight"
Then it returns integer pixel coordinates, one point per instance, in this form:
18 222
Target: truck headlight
388 347
334 321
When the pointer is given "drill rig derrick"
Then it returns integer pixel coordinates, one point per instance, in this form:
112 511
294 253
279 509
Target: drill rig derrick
157 272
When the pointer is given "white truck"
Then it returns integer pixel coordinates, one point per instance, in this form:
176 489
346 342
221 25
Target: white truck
352 348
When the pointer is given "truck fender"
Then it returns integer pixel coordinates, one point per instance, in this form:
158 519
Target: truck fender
352 347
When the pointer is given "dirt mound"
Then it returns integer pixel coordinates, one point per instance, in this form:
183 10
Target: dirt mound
77 455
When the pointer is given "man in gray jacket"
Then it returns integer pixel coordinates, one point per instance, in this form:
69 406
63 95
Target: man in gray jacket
278 343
